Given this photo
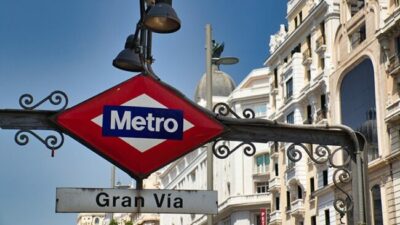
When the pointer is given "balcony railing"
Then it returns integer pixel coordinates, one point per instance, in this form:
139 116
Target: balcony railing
321 115
255 199
394 64
297 207
275 184
276 217
261 169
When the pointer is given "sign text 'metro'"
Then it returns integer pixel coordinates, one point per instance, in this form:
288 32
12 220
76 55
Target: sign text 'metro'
142 122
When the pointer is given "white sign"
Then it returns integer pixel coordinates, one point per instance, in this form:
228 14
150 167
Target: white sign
80 200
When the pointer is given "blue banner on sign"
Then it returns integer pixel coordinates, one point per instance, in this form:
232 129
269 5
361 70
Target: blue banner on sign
142 122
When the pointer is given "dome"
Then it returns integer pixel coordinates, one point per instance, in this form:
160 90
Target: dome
369 128
222 85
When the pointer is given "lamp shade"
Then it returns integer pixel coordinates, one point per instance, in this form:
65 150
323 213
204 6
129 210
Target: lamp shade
162 18
128 60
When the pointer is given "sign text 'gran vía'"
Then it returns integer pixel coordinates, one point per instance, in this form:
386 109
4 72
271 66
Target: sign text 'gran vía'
131 200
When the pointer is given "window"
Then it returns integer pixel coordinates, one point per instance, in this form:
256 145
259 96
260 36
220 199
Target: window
299 192
312 185
287 200
327 217
295 23
308 74
289 88
322 28
290 118
357 37
309 118
325 177
277 203
261 187
258 220
377 205
276 78
96 221
322 62
313 220
354 115
261 163
276 169
301 17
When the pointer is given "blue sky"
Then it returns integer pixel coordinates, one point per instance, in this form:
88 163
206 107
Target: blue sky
51 45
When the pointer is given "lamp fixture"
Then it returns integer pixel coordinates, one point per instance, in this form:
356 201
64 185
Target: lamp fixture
128 59
162 18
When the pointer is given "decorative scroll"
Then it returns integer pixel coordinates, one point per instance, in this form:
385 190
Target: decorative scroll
222 151
55 98
52 142
342 175
223 109
342 205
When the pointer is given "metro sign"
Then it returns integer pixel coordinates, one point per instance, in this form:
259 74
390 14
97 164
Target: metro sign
139 125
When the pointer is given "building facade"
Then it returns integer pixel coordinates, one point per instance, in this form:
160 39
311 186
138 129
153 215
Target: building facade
242 182
343 71
334 62
300 62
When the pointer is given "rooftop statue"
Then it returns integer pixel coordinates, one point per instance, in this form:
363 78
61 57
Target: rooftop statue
217 49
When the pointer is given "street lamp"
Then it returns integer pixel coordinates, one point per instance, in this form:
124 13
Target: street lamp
162 18
210 61
224 61
128 59
159 18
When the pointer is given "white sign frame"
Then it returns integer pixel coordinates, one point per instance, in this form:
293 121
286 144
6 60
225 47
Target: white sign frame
114 200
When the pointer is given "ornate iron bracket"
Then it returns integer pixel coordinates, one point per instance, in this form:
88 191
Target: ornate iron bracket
251 130
323 155
220 149
29 119
223 109
55 98
52 142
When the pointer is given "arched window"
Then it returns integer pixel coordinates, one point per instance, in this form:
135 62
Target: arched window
96 221
377 205
357 98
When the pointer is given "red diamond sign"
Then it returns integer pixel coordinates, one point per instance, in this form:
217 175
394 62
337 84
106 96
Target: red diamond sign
139 125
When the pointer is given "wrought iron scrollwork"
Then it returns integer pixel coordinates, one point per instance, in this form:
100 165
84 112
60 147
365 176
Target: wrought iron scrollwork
324 155
52 142
223 109
55 98
222 151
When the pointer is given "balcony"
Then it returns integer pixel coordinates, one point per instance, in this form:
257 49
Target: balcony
240 200
275 217
321 45
275 150
261 170
394 65
393 111
307 60
275 184
297 207
321 115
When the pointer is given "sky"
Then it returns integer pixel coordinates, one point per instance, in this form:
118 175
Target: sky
49 45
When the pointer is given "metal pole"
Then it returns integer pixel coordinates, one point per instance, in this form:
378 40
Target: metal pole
112 185
210 171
